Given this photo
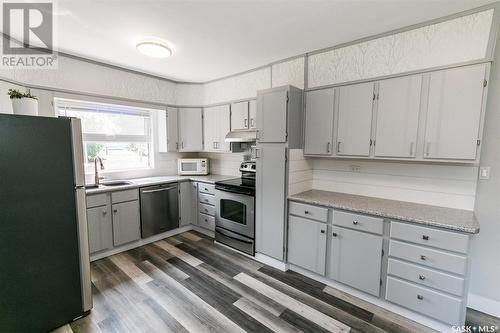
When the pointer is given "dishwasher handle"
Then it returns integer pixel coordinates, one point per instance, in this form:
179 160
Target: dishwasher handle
159 189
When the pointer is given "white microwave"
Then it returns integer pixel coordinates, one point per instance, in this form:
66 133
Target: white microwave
193 166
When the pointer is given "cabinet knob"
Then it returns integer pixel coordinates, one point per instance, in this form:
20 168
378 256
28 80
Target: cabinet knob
420 297
322 231
425 237
115 210
206 220
334 234
206 189
423 257
306 212
206 210
104 212
355 222
421 277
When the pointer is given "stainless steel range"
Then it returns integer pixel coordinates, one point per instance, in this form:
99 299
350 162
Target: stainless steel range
235 210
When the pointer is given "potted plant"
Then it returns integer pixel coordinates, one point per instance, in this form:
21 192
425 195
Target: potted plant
23 103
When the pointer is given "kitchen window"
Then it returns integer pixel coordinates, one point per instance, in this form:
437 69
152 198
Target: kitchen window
119 135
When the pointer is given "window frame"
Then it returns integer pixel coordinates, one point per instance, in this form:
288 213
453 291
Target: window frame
62 105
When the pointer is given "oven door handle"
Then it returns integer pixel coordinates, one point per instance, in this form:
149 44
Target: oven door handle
226 189
232 237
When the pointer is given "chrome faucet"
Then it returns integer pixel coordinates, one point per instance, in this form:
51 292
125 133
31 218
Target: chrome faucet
97 178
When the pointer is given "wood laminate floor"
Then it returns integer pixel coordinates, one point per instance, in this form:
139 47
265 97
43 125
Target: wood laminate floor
186 283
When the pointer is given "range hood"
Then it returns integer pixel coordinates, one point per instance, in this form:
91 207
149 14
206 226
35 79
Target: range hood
241 136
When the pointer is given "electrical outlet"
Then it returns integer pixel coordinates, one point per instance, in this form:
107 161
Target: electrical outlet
484 173
354 168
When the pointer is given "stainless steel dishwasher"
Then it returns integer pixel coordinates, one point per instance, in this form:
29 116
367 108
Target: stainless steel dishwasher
159 209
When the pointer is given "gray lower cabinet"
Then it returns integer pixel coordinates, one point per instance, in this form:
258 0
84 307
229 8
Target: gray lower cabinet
126 222
307 244
100 228
355 259
188 203
206 206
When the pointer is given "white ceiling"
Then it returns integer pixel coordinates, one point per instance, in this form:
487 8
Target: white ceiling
215 38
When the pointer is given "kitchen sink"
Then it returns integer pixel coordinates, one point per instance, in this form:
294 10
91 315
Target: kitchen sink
116 183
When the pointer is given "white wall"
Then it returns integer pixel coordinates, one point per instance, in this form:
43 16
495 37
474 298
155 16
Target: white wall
300 172
485 279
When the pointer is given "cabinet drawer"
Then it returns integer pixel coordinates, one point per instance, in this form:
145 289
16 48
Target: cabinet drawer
445 261
309 211
432 237
122 196
426 301
97 200
427 277
206 188
206 221
207 199
358 222
206 209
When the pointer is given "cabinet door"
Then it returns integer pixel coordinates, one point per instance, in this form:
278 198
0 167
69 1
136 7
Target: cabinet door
397 116
270 199
187 214
210 134
99 228
161 130
271 116
319 122
172 130
252 114
190 129
223 127
239 116
126 222
355 259
307 244
454 113
355 105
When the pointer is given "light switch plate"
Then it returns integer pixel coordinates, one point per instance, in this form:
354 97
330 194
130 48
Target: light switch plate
484 172
355 168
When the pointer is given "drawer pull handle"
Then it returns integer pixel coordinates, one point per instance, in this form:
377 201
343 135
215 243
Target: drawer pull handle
421 277
355 222
322 231
423 257
420 297
425 237
334 234
306 212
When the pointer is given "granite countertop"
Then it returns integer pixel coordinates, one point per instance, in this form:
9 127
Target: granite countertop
442 217
148 181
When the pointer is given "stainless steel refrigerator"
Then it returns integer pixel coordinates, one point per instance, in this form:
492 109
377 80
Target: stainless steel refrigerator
44 254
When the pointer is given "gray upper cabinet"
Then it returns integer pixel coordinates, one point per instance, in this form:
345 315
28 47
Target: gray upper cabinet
355 259
252 114
240 116
190 129
270 198
355 104
272 115
319 122
455 106
172 130
397 116
126 222
307 244
217 125
100 228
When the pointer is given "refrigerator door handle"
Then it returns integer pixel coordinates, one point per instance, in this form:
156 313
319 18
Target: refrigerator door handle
77 143
83 239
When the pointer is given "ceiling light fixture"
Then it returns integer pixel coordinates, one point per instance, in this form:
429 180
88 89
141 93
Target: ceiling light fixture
154 49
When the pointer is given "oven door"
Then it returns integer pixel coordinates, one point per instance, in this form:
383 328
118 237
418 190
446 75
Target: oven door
235 211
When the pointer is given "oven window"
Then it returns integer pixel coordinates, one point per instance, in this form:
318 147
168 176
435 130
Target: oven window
233 210
189 166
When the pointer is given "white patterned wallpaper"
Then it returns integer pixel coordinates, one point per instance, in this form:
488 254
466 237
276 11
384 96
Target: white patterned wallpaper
289 72
446 43
237 87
